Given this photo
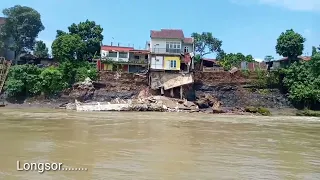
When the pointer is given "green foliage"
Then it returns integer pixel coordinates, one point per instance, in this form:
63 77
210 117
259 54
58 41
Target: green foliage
67 47
245 73
266 79
41 50
197 58
249 58
205 43
52 81
302 79
260 110
23 80
23 25
315 51
75 71
290 44
83 72
29 80
83 39
227 61
268 58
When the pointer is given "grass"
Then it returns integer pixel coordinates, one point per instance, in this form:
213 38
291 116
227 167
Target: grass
308 112
259 110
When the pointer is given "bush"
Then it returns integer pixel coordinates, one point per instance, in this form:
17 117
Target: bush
52 81
23 80
83 72
75 71
302 79
245 73
260 110
267 79
29 80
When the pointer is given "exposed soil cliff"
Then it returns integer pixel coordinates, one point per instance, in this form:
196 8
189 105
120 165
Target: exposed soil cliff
235 91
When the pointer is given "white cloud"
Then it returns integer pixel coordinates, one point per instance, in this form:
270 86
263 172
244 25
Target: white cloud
297 5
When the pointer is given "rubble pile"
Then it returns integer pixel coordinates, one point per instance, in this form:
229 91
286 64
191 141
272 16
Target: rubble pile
82 91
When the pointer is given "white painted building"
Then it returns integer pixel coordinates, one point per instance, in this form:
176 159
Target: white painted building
170 50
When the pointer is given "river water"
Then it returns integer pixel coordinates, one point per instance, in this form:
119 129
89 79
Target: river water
168 146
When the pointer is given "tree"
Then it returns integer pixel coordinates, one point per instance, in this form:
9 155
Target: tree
23 25
205 43
268 58
91 36
221 55
303 83
290 44
231 59
68 47
249 58
41 50
315 50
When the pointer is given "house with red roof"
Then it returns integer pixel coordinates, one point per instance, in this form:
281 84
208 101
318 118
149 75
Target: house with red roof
126 59
170 50
283 62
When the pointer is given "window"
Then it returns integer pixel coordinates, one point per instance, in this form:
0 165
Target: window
113 54
186 49
136 57
173 47
173 64
146 57
123 55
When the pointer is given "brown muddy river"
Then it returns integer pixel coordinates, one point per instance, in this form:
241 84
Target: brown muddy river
156 146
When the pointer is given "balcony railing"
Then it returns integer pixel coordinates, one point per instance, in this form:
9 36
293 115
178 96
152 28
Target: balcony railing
138 61
166 51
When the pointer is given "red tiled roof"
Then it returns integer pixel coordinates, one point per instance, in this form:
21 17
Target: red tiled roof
2 20
188 40
117 48
167 33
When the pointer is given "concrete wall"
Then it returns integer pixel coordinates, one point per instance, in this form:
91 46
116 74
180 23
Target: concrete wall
156 62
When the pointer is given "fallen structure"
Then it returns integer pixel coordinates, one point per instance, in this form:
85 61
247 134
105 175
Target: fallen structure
152 103
169 81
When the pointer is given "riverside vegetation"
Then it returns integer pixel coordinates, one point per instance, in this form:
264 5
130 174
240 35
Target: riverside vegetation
300 81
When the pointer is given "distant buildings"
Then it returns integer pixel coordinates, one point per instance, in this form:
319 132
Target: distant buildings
167 50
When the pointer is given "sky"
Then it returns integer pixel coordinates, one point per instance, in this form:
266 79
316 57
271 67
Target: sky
246 26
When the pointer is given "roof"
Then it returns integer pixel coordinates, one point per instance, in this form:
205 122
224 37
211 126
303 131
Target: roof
211 60
188 40
167 33
305 58
117 48
2 20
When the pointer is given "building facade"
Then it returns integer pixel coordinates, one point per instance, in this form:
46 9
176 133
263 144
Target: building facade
170 50
125 59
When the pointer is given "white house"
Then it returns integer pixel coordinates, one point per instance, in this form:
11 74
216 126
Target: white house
170 50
